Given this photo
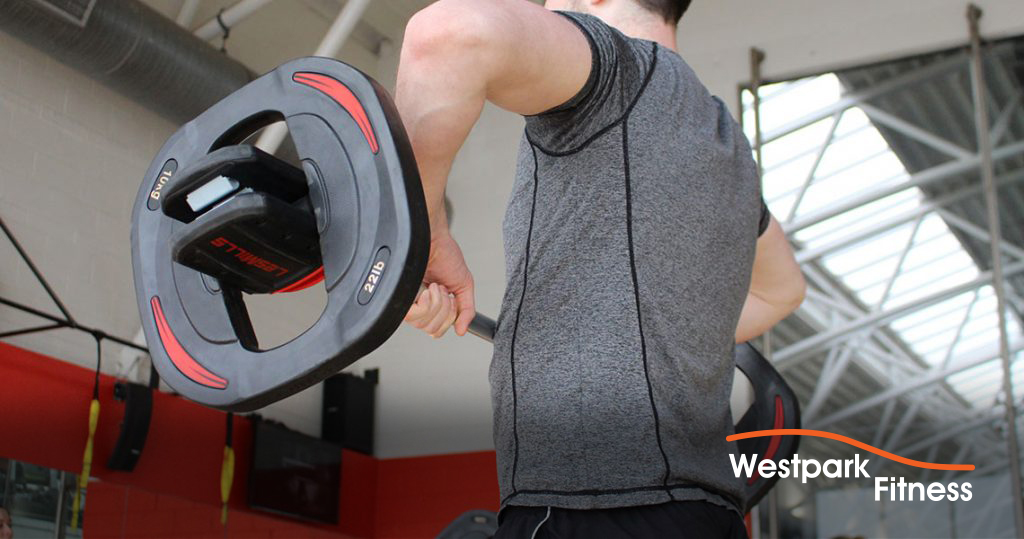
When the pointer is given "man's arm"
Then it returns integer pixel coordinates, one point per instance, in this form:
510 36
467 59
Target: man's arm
459 53
456 55
777 285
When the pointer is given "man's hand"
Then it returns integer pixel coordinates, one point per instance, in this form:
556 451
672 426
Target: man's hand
436 310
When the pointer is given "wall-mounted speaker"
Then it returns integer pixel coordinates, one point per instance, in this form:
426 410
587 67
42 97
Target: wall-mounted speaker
348 409
138 408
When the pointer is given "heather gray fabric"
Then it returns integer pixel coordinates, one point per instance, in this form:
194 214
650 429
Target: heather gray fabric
629 240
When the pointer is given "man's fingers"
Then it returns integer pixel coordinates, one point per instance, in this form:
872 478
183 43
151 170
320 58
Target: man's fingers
419 308
442 320
439 313
436 310
467 309
434 304
450 313
422 310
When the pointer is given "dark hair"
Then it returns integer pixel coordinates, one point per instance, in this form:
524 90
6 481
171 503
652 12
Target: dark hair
670 10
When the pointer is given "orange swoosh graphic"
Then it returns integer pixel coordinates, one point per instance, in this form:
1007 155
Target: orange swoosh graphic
850 441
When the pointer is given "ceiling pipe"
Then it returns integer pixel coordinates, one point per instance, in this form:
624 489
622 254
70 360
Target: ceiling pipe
132 49
187 13
331 44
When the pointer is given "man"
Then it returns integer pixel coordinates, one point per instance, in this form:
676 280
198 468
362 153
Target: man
5 524
638 251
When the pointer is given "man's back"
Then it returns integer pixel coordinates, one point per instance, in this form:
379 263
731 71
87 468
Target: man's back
629 239
633 259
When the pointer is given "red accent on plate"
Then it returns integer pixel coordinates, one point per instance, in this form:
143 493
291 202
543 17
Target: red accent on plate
303 283
344 97
773 446
181 359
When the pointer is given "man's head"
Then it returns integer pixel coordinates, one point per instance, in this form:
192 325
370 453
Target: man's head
669 11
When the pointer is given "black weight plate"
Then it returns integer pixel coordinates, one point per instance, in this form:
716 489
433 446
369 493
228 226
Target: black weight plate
366 194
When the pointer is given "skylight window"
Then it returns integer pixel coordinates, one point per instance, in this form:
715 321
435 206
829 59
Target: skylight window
893 251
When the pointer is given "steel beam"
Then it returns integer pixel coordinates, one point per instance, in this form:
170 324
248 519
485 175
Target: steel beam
999 129
881 342
933 453
899 264
853 99
980 233
920 179
961 454
806 255
883 425
959 330
988 469
910 130
789 356
897 434
830 375
952 432
756 59
814 167
868 262
995 500
980 357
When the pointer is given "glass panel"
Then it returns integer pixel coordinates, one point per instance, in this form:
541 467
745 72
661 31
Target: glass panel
39 500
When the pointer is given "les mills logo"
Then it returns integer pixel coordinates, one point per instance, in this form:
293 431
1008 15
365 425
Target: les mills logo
898 488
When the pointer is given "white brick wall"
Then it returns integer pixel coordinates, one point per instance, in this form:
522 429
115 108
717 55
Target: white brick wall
72 154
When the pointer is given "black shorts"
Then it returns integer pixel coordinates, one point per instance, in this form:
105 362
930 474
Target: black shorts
673 519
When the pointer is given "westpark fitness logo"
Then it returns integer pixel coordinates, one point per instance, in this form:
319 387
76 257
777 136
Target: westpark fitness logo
898 488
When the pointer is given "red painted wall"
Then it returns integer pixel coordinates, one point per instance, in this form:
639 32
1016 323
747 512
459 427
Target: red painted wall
174 490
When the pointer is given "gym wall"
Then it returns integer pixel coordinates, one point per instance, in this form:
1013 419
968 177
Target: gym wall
71 154
174 491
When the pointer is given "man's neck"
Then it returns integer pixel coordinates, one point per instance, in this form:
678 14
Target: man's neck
649 27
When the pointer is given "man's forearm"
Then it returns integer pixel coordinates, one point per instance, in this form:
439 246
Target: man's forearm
440 93
777 285
758 316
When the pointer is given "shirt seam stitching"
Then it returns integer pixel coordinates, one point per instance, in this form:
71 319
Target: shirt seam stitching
609 127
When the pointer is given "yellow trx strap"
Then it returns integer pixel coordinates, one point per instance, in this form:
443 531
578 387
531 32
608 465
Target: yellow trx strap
94 417
227 472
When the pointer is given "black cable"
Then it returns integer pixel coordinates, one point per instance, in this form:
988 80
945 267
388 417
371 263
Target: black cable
60 323
99 361
36 272
225 31
28 331
230 429
68 320
154 377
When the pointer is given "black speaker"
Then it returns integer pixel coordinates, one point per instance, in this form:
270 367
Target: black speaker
348 407
138 407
